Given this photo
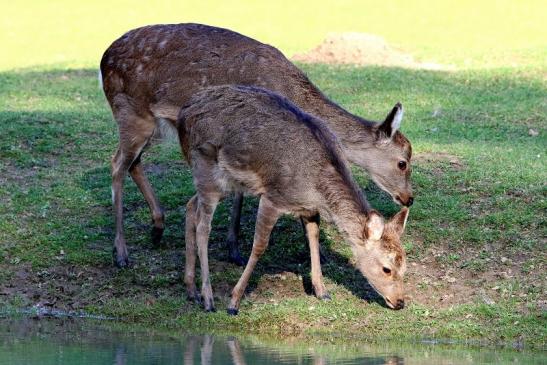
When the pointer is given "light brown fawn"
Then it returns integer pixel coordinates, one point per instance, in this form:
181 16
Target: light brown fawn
250 140
150 72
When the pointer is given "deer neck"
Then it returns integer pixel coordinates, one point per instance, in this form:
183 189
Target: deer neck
345 206
355 134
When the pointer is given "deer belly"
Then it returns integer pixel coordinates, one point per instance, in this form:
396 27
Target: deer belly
235 180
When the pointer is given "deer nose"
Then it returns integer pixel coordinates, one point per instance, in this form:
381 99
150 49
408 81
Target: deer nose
400 304
410 201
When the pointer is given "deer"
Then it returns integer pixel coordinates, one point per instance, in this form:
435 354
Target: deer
150 72
251 140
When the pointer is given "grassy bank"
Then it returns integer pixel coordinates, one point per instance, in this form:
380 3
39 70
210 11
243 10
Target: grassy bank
475 240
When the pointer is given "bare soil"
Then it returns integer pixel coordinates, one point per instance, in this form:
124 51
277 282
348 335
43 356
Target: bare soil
362 49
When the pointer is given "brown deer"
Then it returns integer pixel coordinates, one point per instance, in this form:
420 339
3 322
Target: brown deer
250 140
149 72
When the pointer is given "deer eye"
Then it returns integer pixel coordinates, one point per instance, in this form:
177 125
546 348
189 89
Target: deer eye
402 165
386 270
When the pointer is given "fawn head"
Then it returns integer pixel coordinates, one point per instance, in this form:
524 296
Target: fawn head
381 258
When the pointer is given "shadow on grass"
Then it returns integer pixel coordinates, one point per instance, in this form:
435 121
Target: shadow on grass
288 250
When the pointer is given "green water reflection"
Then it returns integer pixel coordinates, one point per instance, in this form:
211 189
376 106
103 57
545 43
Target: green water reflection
73 341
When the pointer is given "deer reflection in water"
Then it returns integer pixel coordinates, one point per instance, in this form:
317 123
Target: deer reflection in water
230 351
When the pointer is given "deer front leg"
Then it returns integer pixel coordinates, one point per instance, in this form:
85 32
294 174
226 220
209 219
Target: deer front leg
233 233
311 226
265 220
190 240
205 210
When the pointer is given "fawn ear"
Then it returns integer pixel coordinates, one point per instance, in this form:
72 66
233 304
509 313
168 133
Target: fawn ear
374 228
392 123
399 220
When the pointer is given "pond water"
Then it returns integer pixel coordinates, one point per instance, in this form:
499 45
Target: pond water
74 341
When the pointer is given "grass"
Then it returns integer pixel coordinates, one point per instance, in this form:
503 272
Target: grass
476 235
490 33
479 180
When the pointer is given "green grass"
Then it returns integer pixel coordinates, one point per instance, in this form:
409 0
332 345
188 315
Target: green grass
479 176
473 34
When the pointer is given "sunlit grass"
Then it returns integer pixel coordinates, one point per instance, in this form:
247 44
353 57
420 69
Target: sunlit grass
467 33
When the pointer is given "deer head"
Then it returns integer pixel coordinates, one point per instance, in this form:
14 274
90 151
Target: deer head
381 258
388 162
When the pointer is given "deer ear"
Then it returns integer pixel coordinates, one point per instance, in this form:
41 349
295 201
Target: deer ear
392 123
399 220
374 228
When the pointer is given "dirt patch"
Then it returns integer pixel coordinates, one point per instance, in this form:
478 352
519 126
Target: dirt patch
439 158
273 287
362 49
444 276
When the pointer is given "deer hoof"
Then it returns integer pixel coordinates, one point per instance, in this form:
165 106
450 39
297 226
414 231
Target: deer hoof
121 261
322 258
235 258
193 297
232 311
209 305
326 297
156 235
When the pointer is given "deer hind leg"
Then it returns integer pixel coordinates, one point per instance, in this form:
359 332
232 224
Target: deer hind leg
311 226
233 232
121 163
266 218
135 132
205 210
137 174
190 240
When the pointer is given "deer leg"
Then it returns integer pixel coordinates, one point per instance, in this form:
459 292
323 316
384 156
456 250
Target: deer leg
137 174
134 133
311 226
205 210
322 258
233 233
121 258
265 220
190 240
121 162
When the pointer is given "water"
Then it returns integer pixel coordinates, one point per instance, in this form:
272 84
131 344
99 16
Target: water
70 341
